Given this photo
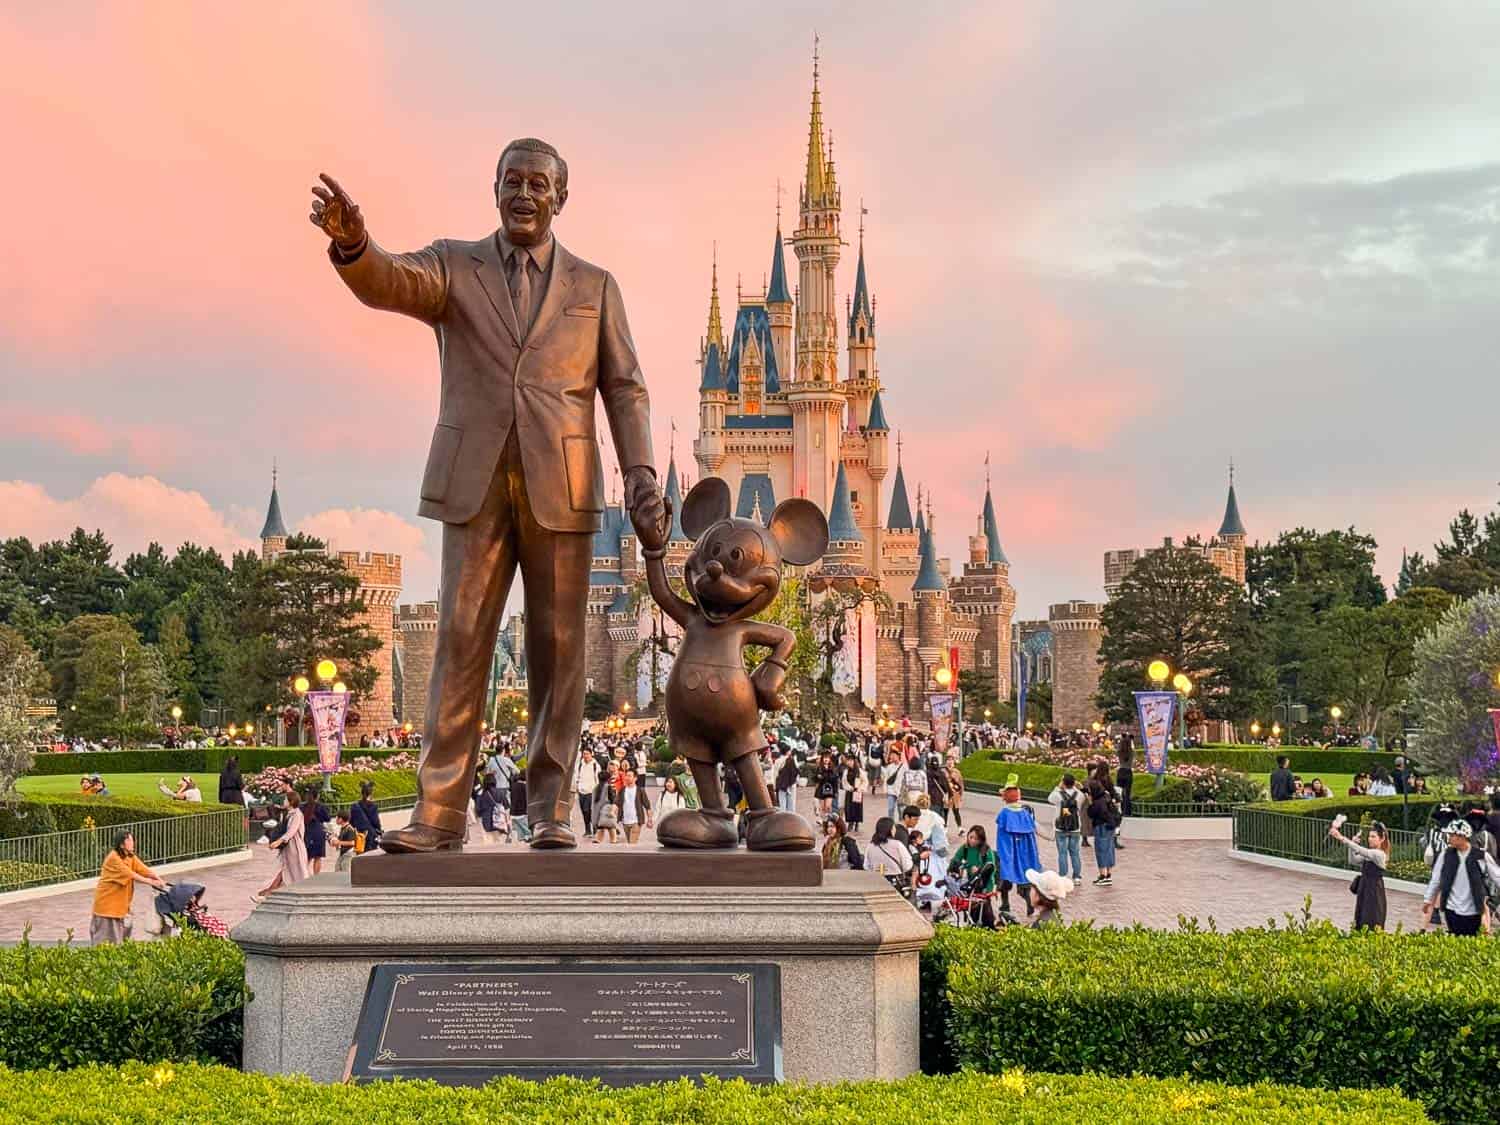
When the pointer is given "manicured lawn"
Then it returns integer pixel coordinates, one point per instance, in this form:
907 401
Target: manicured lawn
120 785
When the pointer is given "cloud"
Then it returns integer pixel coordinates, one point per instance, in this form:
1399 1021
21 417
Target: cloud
133 512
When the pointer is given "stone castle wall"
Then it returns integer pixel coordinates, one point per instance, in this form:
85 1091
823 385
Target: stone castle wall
417 625
1076 637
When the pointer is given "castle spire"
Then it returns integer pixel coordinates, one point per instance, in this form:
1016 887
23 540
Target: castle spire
776 291
987 520
928 576
715 318
861 304
673 493
817 164
841 525
1232 524
900 517
274 527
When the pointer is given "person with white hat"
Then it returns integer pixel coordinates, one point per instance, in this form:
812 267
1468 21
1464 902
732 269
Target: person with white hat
1460 883
1047 890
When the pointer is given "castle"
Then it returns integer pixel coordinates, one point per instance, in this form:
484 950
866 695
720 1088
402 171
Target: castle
379 575
1063 650
778 418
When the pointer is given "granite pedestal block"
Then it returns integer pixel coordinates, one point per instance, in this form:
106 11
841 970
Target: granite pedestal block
847 950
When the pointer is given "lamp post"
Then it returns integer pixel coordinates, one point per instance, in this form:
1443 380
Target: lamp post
944 677
301 687
1254 729
1184 687
1335 713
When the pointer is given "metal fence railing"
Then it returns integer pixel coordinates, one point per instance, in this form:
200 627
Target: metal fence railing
1306 838
56 857
1149 810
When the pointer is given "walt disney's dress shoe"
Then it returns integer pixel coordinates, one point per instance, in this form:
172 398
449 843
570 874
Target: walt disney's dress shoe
552 834
421 838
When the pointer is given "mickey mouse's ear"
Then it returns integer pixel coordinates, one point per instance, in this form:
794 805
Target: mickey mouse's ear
705 505
800 530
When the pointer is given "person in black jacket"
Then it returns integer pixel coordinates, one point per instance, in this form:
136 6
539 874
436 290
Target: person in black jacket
786 782
1124 781
1282 785
231 785
366 817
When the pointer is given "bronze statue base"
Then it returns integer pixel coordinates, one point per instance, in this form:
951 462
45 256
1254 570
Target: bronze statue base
596 867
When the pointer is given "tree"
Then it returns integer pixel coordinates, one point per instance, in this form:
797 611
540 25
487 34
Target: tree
1175 606
307 607
1468 561
1453 687
68 648
22 678
979 694
120 686
1363 657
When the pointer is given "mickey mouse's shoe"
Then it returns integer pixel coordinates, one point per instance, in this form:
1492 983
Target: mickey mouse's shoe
776 830
697 828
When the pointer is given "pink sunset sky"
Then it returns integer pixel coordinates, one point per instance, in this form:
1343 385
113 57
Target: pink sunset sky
1114 246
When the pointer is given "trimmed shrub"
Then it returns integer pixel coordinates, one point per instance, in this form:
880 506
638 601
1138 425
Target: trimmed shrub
1305 760
1305 1006
388 783
179 999
988 768
140 1092
67 813
1387 809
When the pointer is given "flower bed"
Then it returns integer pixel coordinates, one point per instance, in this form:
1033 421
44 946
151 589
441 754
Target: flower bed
274 780
1306 1006
1183 783
166 1093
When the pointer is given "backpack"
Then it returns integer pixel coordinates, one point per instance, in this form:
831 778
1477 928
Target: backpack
1067 813
1114 812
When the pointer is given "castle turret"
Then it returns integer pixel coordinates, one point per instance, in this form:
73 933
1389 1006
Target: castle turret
814 394
862 380
843 562
780 310
273 534
713 393
1232 532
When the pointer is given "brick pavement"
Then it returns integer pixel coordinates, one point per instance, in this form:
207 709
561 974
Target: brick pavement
1155 883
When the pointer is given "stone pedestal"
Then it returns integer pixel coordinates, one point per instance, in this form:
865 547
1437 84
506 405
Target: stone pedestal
847 952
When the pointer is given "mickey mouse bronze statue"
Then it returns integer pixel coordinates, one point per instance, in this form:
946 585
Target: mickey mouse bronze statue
713 703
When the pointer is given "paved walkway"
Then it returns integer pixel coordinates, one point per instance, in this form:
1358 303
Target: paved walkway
1156 882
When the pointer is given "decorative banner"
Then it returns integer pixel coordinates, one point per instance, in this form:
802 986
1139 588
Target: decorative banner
1155 710
940 704
329 709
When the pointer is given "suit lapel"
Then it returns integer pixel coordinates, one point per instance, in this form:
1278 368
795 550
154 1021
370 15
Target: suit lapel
491 274
563 265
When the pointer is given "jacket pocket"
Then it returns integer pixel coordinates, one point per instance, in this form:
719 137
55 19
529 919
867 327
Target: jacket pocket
590 312
585 474
441 458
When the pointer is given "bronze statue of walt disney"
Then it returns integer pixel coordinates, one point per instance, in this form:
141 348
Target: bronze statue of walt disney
713 703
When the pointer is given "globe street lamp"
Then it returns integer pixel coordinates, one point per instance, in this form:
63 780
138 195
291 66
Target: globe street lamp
1335 713
301 686
327 670
1255 728
1184 687
1158 671
339 687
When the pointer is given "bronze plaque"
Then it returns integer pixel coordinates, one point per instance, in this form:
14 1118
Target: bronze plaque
622 1023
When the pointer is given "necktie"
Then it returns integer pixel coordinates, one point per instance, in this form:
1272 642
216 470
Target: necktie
520 288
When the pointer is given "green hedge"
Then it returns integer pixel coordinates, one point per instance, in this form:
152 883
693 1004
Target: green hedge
1307 760
36 816
141 1092
178 999
200 763
388 783
1387 809
990 769
1305 1006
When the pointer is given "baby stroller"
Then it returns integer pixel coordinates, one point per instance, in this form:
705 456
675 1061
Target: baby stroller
181 905
966 905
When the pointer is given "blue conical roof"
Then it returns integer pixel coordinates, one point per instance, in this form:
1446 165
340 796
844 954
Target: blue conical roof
841 525
273 527
900 517
877 422
921 523
861 295
611 528
991 531
778 292
713 370
928 576
674 494
1232 524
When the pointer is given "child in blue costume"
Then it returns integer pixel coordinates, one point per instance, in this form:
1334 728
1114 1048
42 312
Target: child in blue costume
1015 843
